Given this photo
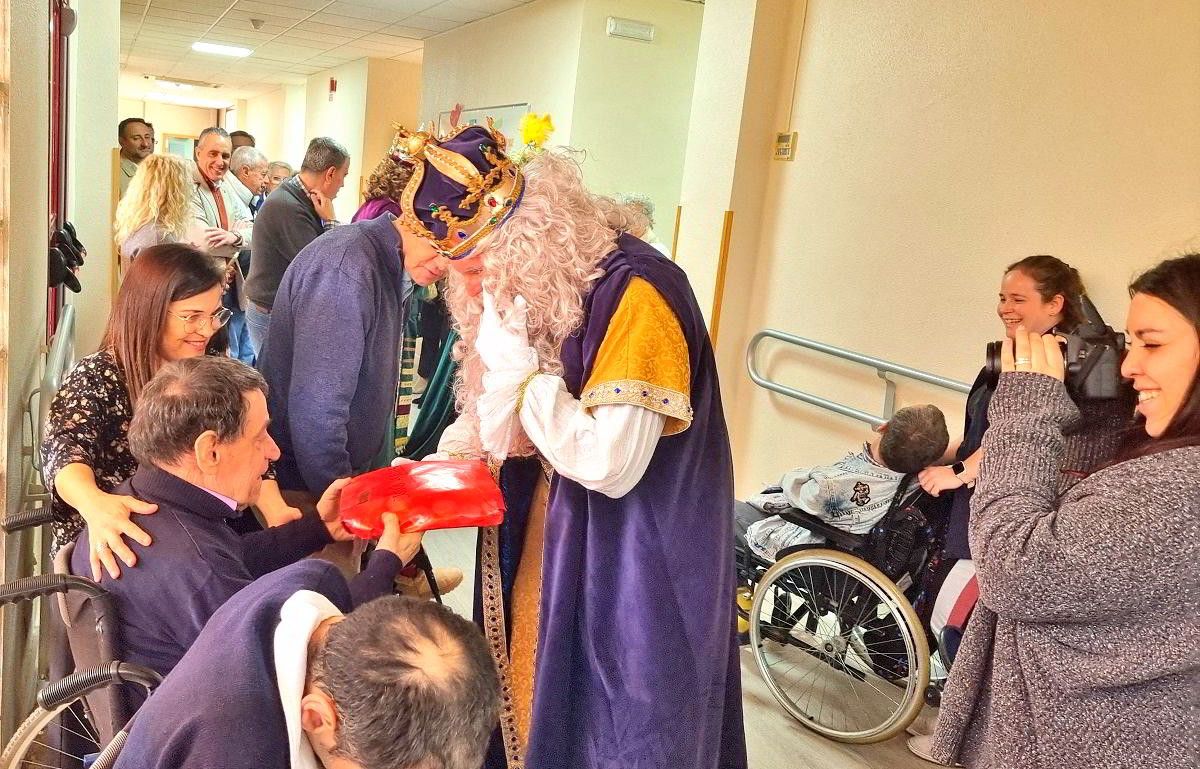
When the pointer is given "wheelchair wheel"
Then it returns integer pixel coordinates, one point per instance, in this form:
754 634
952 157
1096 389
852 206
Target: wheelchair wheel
56 722
839 646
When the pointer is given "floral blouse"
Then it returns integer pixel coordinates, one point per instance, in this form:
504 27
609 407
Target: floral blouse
89 424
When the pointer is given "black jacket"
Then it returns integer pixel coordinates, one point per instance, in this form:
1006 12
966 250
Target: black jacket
286 223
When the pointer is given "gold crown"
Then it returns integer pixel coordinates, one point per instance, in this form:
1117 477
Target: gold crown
491 195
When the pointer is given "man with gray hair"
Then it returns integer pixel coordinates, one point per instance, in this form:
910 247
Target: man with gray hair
199 434
249 180
277 172
294 215
645 205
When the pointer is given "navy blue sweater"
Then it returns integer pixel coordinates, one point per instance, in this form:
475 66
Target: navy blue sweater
195 562
220 707
332 354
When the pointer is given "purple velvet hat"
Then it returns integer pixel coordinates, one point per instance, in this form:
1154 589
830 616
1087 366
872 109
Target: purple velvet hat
462 186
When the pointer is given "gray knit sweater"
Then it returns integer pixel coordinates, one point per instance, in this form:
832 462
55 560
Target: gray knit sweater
1084 650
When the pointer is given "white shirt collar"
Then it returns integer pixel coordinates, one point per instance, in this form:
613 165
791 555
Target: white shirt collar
299 617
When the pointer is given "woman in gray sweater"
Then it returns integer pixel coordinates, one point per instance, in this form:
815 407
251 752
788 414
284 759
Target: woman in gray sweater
1084 651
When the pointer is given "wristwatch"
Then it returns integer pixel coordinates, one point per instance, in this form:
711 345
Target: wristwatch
957 468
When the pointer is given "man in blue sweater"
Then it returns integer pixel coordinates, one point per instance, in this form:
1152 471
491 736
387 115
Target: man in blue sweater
199 433
280 678
332 355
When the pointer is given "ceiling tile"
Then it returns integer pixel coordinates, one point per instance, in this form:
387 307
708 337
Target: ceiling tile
388 14
400 30
348 22
296 9
298 36
451 13
421 21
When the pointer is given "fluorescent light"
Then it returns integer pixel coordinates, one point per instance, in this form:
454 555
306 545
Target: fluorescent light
173 85
220 50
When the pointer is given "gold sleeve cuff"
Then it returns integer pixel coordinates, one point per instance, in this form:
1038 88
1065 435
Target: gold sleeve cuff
672 404
643 360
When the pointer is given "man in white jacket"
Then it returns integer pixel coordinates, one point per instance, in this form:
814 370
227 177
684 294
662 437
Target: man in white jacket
227 226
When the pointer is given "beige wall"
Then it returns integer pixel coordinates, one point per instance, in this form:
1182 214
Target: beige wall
276 119
263 117
293 139
90 194
632 101
947 146
343 119
25 278
393 96
535 53
169 118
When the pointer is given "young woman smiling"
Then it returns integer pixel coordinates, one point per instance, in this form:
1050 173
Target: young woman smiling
168 308
1083 649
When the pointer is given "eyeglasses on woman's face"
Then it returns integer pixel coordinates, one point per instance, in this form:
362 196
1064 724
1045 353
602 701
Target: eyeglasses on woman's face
194 321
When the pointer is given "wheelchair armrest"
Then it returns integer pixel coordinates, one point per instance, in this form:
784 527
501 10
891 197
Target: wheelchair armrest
831 533
47 584
27 518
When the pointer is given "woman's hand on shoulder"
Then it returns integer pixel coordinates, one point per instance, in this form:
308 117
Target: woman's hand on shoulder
938 478
1037 354
108 518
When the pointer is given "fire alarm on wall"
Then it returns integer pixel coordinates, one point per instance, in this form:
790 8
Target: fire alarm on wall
332 87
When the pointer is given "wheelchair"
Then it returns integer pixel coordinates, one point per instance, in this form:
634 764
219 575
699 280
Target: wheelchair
833 627
81 720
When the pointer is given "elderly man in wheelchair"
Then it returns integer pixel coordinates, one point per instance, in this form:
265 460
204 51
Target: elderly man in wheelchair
831 562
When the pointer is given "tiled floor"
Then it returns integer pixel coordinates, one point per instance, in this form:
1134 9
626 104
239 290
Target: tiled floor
775 740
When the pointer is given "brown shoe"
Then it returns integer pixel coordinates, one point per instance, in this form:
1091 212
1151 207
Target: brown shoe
418 586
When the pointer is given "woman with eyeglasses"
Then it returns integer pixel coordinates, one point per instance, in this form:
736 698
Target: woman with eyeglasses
168 308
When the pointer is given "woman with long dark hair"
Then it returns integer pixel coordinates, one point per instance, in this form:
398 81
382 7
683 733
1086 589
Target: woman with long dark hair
168 308
1083 651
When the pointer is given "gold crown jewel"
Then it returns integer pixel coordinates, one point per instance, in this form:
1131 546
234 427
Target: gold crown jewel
491 195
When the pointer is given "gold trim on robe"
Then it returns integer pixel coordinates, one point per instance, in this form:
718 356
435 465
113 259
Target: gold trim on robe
643 360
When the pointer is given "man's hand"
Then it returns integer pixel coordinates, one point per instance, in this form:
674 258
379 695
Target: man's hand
322 205
215 237
404 546
329 508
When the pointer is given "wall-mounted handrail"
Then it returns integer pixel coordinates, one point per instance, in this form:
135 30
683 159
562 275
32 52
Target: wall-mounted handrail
58 362
882 369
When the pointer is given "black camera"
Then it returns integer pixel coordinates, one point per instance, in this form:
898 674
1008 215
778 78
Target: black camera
1092 353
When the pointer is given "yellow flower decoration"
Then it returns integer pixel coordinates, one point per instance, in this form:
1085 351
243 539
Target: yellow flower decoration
535 129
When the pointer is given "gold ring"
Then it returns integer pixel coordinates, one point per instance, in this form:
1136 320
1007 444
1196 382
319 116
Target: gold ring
1022 361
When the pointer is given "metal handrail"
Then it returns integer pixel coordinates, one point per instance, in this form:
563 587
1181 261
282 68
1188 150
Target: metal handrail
58 362
882 369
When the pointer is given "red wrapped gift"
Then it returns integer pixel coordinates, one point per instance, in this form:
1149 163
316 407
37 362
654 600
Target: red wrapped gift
425 495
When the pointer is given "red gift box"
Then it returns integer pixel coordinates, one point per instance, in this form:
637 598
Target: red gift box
424 495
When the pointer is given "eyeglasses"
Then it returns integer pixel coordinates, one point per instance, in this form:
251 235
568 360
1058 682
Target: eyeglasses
196 320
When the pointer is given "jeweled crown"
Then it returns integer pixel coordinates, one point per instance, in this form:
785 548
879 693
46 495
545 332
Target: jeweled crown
462 187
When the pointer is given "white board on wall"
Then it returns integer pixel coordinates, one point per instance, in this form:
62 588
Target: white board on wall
505 117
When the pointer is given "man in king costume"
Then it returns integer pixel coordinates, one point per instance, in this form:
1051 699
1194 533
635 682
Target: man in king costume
588 384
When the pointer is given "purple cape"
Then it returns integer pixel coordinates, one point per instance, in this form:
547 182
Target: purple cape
637 664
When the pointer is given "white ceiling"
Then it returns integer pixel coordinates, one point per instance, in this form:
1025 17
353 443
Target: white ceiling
295 40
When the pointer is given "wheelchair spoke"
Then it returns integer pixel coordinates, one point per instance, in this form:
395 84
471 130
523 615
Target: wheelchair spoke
87 737
28 762
56 750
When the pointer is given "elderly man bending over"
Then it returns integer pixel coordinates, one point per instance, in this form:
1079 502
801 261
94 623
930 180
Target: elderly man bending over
280 678
199 433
